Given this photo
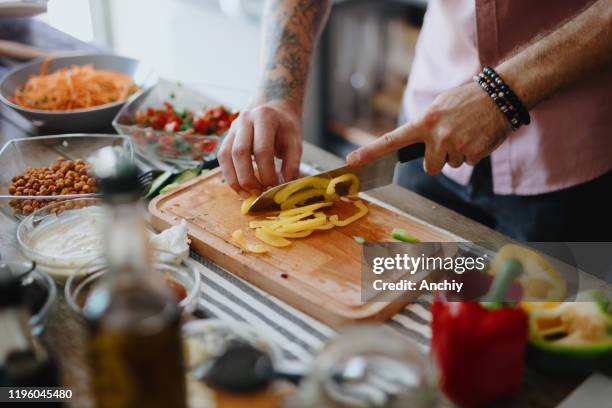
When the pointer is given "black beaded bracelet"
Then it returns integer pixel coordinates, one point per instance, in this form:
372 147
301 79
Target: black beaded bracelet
504 98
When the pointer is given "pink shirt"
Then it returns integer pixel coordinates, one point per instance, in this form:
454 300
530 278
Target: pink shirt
569 140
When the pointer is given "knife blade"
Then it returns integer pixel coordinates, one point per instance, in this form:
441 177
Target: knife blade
371 175
374 174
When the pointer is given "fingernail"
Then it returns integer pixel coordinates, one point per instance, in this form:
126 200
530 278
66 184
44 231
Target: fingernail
243 194
352 159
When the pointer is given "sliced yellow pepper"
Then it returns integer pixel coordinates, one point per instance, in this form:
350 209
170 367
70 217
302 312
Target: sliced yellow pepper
299 210
274 240
279 221
353 189
246 204
363 210
239 238
301 197
327 226
299 234
304 225
309 182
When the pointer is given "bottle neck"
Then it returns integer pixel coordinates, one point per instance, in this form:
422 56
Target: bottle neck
127 241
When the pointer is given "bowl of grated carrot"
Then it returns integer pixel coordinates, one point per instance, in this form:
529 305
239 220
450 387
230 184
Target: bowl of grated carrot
75 93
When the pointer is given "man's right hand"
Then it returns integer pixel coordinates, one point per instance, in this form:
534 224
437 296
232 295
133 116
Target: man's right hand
267 130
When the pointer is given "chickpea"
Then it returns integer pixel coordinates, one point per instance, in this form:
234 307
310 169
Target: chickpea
80 161
85 189
78 186
16 179
36 185
12 189
84 179
65 191
27 209
91 182
71 165
20 182
20 189
68 181
43 190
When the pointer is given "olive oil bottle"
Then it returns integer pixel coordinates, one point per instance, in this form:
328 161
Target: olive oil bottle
134 345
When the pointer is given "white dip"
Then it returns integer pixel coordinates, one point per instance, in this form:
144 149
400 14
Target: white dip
61 244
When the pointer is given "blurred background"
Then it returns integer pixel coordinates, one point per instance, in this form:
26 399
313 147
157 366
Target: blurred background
358 77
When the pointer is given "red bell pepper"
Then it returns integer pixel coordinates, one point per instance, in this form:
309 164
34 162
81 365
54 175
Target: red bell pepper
479 348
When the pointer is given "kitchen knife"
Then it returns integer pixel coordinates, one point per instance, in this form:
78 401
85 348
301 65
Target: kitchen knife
377 173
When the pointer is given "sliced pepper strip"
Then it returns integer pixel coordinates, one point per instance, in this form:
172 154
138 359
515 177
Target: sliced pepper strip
363 210
274 240
353 190
246 204
279 222
304 225
299 234
299 210
327 226
239 238
300 197
309 182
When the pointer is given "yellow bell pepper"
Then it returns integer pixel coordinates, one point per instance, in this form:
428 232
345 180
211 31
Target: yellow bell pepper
304 225
270 239
246 204
301 197
279 221
299 234
309 182
239 238
299 210
353 189
363 210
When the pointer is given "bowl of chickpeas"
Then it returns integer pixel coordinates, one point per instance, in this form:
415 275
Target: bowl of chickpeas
39 171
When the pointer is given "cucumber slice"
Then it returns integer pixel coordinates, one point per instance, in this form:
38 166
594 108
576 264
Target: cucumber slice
402 235
187 175
158 184
168 187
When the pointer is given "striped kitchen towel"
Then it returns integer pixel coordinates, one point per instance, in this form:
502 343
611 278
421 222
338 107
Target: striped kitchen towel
300 336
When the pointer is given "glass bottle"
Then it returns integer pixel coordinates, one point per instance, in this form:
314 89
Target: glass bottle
134 344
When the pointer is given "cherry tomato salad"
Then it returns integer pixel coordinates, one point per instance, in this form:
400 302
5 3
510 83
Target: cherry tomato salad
182 134
213 121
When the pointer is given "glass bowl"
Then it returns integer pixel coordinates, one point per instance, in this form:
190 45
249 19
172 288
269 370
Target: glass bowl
56 215
39 292
41 295
81 283
19 154
179 147
208 338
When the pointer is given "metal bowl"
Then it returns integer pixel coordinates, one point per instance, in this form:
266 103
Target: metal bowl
79 120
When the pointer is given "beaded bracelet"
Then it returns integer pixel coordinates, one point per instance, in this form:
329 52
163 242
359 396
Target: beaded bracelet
504 98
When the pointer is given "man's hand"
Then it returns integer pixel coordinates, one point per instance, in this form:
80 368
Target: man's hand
267 131
462 125
272 127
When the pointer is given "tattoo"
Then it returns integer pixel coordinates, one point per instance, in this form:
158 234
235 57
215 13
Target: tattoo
291 32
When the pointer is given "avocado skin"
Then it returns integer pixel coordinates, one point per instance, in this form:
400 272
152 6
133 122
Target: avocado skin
565 361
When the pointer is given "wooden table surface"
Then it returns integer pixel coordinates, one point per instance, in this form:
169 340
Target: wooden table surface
65 334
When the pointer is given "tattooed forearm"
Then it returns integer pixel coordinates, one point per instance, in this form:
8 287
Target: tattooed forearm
291 30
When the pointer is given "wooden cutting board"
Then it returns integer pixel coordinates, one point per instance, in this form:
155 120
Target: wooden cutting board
319 274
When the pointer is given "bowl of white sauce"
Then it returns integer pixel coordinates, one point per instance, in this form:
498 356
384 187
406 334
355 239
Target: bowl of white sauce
64 237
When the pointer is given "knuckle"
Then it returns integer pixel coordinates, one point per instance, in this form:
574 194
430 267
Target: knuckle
263 112
240 151
263 150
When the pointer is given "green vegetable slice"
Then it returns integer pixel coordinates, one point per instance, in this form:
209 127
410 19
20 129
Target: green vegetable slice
402 235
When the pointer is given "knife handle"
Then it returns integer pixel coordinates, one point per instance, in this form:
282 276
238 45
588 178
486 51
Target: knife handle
408 153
